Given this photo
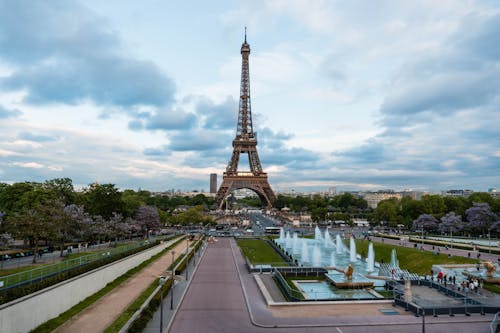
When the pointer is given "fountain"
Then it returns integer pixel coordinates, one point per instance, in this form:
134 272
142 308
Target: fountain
394 259
331 253
317 234
333 262
282 235
295 247
352 250
328 239
316 258
288 240
304 257
338 243
370 264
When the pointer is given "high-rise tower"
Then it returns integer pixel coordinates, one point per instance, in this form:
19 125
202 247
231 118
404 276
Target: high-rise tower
245 143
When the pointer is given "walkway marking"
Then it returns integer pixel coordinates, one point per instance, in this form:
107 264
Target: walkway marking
339 330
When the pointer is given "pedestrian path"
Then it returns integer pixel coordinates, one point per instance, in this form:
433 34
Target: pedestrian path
102 313
442 249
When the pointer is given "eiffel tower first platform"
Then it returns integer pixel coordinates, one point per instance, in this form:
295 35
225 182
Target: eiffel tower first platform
245 143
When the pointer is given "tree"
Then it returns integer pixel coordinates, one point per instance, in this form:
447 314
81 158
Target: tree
103 200
63 189
11 194
425 222
387 211
433 204
191 216
495 227
319 214
148 219
480 217
451 223
410 209
132 201
481 197
456 204
31 224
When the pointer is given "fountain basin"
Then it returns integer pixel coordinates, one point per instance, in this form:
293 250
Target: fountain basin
314 289
339 280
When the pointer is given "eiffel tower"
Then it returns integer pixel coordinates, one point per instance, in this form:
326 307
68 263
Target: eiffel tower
245 143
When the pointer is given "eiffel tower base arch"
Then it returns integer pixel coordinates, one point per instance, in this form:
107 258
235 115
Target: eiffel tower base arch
258 184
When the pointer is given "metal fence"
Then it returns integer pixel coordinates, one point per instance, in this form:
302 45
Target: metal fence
463 304
46 271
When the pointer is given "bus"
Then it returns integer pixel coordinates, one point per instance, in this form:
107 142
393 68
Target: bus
272 230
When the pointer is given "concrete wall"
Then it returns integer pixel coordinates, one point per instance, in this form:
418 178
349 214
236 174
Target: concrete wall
28 312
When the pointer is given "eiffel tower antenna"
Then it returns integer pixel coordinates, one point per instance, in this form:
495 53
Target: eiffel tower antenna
246 143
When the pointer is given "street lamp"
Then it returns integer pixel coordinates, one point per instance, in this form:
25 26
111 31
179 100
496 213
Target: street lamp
451 237
187 258
489 242
161 282
422 246
172 286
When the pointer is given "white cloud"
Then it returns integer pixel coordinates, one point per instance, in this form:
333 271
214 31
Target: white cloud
30 165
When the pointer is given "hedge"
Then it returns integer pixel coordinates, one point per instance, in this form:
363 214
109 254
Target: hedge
147 313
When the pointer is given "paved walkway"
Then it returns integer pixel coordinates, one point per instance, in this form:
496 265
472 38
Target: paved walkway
102 313
223 297
427 247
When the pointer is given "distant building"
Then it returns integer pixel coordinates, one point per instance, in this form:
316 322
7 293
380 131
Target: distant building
213 183
415 195
457 193
373 198
332 190
494 193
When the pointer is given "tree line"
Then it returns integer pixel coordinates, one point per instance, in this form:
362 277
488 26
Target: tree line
54 213
477 214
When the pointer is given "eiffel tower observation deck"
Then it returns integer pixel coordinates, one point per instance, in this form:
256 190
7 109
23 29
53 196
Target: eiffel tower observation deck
245 142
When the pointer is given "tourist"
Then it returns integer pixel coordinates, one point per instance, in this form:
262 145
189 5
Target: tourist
481 282
440 277
468 254
454 279
476 285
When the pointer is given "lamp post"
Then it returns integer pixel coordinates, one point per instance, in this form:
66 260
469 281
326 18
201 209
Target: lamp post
187 258
172 286
489 243
422 245
451 237
161 282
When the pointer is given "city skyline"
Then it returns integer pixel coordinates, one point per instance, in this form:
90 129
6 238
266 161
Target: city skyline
361 96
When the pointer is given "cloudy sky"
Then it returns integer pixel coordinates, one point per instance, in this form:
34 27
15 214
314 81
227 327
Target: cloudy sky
355 94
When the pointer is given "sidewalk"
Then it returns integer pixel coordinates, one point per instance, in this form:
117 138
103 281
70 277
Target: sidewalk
179 288
442 249
102 313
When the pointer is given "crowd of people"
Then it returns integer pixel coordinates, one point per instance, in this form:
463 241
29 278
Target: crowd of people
471 284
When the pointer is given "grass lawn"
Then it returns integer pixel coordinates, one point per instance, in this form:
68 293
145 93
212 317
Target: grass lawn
258 251
413 260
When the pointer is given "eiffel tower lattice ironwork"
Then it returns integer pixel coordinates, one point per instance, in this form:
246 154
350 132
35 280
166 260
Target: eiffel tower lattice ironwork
245 143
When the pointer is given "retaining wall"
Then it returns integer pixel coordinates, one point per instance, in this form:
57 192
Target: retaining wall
28 312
